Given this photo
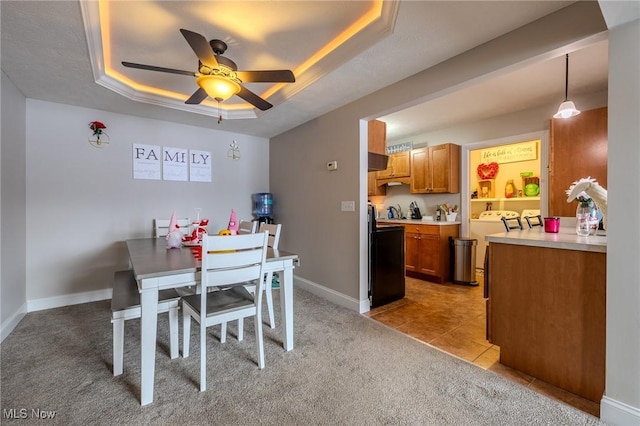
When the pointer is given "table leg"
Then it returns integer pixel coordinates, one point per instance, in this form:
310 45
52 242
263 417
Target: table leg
286 305
148 337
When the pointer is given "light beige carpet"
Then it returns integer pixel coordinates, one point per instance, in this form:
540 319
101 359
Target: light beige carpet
345 369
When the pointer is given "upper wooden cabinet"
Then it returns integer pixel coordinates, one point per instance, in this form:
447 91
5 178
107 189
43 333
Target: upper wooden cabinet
435 169
399 165
377 132
578 149
373 188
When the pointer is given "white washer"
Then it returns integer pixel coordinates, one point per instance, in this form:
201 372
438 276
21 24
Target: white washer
488 222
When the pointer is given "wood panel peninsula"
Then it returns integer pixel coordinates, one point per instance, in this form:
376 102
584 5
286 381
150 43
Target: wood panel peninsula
546 306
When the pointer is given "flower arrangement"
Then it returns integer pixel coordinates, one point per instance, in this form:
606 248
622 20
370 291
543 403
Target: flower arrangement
583 198
97 128
448 210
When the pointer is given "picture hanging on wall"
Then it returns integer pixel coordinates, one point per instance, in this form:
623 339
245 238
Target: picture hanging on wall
146 161
153 162
174 164
199 166
502 154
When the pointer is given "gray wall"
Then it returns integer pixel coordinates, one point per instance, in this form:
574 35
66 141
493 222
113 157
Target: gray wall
13 243
82 202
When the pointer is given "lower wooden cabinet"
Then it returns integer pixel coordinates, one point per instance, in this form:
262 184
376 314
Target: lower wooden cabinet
428 251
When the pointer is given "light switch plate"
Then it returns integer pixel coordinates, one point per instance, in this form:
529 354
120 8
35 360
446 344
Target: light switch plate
348 206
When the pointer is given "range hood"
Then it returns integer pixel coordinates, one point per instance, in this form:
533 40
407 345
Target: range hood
377 162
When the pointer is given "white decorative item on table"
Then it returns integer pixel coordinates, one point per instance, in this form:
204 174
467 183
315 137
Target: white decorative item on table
174 235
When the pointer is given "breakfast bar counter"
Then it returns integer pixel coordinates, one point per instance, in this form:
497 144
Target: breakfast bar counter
566 239
546 306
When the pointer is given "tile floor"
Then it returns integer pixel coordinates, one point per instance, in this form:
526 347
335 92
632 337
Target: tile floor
452 318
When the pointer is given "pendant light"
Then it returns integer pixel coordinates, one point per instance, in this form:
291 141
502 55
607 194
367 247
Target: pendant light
567 108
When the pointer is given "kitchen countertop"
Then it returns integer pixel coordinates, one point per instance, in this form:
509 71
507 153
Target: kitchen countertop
416 222
566 239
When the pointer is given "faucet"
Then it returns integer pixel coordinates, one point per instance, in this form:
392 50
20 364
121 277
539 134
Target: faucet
399 212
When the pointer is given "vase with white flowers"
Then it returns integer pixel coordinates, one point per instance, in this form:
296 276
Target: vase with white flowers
592 204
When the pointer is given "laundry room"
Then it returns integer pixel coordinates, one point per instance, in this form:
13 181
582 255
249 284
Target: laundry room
504 181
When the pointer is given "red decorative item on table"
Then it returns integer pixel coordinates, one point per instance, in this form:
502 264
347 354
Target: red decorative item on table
488 171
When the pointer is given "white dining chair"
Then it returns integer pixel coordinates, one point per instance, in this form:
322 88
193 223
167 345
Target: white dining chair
161 226
226 260
125 305
247 227
274 239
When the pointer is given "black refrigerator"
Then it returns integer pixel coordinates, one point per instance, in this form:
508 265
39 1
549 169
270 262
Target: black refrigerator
386 262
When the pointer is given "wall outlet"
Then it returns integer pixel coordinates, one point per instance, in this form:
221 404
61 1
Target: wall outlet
348 206
332 165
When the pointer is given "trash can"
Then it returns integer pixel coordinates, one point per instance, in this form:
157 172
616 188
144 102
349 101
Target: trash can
464 270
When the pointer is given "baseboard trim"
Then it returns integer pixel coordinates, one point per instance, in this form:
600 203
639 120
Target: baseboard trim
618 413
12 322
68 299
326 293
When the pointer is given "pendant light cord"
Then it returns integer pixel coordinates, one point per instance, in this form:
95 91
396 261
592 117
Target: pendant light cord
566 79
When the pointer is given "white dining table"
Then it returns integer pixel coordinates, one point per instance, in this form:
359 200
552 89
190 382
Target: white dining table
157 268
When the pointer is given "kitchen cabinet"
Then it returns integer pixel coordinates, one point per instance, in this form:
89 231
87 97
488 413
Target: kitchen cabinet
577 149
435 169
550 321
428 251
399 165
377 134
373 188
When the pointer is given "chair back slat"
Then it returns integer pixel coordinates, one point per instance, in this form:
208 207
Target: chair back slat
247 227
274 233
161 226
232 259
535 220
512 223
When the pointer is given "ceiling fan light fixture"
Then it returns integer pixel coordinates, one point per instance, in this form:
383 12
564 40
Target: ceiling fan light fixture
218 87
567 108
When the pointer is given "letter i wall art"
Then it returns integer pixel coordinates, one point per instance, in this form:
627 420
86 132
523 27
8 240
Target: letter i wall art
155 162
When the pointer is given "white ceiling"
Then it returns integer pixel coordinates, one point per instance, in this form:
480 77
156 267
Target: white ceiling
49 54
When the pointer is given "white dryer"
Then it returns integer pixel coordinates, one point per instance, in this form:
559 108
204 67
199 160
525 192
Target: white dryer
488 222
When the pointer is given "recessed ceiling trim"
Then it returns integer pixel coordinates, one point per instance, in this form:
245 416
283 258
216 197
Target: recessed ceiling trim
378 23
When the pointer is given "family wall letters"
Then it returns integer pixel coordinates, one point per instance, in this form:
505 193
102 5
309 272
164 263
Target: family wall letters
177 164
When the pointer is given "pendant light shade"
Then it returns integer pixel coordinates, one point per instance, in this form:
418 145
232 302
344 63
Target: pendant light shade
567 108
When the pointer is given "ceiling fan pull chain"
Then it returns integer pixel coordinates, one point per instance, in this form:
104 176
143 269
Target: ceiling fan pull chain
219 113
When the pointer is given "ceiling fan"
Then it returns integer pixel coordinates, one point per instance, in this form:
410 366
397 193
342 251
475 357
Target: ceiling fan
217 76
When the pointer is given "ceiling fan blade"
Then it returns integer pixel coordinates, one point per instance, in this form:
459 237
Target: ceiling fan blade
270 76
201 48
253 99
197 97
161 69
